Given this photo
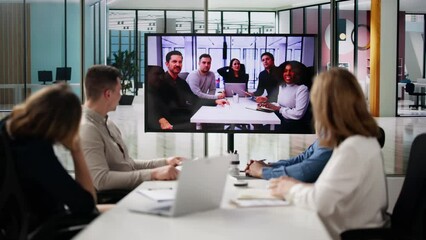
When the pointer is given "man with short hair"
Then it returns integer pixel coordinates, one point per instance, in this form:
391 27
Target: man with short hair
106 154
172 101
268 80
203 81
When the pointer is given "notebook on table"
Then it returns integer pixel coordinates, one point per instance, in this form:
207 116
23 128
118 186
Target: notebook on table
200 187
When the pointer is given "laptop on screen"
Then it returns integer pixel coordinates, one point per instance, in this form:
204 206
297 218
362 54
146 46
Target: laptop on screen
238 88
200 187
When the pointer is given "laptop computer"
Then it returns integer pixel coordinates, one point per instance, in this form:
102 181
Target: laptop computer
200 187
238 88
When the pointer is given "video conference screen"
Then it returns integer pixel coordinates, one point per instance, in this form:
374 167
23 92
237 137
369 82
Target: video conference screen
229 83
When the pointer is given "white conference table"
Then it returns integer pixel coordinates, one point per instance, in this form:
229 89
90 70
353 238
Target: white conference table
227 222
242 112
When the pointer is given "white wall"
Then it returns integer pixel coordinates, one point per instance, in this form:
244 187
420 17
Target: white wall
394 188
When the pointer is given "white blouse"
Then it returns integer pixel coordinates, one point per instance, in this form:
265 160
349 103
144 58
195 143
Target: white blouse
293 100
351 190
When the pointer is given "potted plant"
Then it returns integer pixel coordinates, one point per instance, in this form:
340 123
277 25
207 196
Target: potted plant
125 61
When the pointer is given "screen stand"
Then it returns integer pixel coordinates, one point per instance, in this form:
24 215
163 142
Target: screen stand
206 143
230 142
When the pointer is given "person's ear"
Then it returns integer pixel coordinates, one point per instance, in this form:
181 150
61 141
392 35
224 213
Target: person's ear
107 93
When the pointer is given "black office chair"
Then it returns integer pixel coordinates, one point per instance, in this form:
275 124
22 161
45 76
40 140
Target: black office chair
183 75
111 196
382 137
14 210
409 88
409 214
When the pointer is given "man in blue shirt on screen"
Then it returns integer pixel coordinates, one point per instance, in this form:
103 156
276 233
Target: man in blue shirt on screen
305 167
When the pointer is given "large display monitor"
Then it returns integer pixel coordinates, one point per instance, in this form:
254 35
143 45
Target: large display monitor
171 106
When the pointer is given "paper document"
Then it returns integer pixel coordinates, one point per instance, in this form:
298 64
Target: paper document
255 193
257 197
159 194
259 202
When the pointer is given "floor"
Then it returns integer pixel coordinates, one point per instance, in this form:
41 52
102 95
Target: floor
400 132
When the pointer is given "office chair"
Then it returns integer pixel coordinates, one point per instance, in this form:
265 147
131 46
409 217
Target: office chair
14 210
382 137
409 214
409 88
111 196
183 75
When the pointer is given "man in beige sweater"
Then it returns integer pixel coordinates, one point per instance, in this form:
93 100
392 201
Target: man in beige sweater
106 154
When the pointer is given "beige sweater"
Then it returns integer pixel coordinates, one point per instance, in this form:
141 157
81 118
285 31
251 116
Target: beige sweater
351 191
107 156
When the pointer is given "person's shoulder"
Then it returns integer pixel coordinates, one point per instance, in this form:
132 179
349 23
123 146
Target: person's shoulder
302 87
87 125
32 145
193 73
361 145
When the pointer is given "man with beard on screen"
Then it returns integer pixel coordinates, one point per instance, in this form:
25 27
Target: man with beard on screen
171 99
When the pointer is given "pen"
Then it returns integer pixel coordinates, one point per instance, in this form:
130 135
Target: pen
150 189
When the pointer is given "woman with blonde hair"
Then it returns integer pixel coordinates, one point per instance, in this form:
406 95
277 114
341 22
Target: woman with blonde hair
49 116
351 190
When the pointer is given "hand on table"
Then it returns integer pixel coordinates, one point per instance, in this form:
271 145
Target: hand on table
222 102
269 105
221 95
281 186
174 161
167 172
254 168
164 124
261 99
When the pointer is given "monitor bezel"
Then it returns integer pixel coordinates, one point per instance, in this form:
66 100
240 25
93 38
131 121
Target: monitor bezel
146 88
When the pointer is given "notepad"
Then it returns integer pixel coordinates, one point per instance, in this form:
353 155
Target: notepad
255 193
257 197
158 195
259 202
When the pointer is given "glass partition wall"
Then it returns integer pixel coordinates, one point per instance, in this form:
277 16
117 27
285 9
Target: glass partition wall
42 36
353 53
39 40
411 64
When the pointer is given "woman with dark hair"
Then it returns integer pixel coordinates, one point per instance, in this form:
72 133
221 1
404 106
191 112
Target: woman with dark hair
234 73
49 116
293 106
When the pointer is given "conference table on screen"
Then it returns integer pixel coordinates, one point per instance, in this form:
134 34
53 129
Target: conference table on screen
226 222
241 112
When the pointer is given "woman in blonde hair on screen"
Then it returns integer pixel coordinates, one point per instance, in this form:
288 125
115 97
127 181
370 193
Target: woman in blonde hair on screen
351 190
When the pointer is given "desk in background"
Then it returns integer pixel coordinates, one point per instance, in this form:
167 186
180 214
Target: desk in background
228 222
235 113
19 88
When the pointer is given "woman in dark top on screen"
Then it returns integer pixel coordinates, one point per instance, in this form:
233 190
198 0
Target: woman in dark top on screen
234 73
52 115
